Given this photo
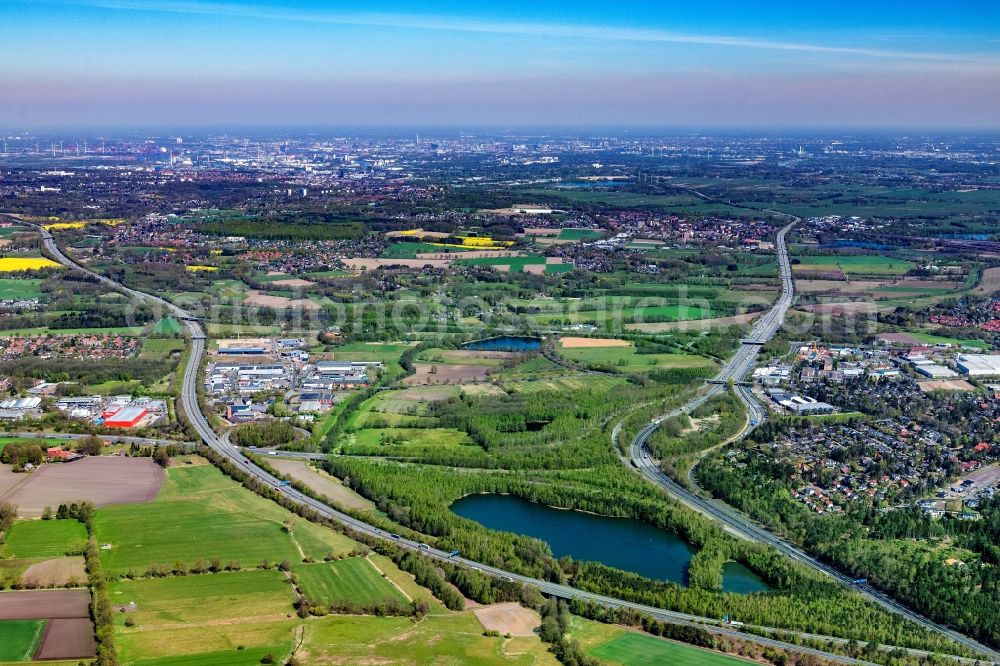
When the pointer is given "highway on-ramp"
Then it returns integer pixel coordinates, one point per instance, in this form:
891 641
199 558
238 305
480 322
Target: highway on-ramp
733 372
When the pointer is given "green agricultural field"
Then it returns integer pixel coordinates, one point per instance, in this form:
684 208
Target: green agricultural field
201 514
855 264
231 657
19 639
579 234
625 359
374 439
44 538
20 288
455 357
635 649
353 580
516 264
165 602
167 326
679 204
370 351
221 643
410 250
455 638
629 315
160 347
932 339
381 419
328 274
555 269
535 366
569 382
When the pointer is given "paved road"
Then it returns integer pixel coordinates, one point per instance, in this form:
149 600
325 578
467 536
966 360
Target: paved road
189 403
735 370
125 439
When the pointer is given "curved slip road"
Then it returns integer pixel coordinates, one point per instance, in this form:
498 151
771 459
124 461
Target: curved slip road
735 370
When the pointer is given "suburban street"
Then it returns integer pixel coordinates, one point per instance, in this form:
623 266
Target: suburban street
735 369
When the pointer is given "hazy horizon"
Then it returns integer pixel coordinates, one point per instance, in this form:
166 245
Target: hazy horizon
188 63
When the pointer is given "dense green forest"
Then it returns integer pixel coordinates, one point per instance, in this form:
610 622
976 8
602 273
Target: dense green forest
305 226
145 370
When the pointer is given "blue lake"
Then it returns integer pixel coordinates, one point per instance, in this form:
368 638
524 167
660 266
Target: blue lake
508 343
623 543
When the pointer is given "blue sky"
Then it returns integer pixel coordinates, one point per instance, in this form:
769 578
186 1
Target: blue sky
667 63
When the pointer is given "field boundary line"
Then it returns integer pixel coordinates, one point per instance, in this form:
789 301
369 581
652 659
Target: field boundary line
391 581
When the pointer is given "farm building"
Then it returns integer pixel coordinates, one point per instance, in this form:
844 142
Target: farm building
127 417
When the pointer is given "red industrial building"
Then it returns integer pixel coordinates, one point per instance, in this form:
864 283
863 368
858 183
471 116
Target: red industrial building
127 417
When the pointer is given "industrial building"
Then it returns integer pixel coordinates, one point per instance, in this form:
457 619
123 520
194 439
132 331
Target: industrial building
934 370
126 417
800 405
979 365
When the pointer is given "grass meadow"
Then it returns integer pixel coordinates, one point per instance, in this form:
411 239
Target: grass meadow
44 538
201 514
354 580
635 649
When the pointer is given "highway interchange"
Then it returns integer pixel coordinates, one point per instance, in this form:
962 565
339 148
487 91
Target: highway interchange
735 371
738 366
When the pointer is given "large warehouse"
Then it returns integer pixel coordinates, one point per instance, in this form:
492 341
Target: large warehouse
126 417
979 365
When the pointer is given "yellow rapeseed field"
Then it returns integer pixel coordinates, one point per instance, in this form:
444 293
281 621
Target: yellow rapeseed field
15 264
484 242
195 268
57 226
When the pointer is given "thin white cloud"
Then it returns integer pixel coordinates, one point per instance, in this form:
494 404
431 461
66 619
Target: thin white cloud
429 22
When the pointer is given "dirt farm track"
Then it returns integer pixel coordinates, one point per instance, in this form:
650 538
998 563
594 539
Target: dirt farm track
101 480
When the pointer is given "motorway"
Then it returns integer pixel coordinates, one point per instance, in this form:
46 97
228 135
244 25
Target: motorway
735 370
192 409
